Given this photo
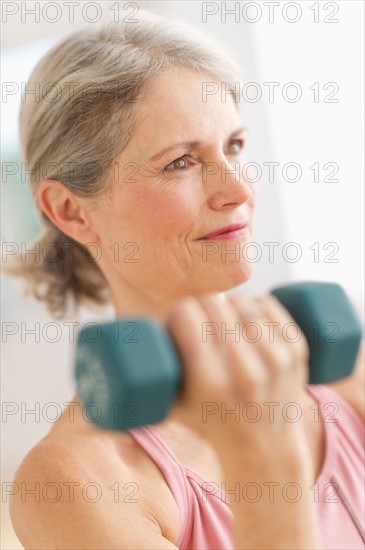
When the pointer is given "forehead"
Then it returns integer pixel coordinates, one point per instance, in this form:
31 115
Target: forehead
173 105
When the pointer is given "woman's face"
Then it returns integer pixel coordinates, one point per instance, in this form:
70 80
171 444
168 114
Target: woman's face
160 205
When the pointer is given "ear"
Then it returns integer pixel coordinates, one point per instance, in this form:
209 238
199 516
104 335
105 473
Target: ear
66 211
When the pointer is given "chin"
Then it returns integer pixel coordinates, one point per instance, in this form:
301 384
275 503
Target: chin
227 277
236 277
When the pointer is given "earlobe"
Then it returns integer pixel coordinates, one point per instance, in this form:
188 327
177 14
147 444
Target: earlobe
65 211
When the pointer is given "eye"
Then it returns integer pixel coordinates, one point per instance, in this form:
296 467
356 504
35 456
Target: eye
239 143
178 164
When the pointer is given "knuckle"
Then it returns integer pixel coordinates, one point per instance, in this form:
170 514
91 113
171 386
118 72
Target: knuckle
217 389
276 306
236 301
247 307
254 383
181 307
303 351
284 359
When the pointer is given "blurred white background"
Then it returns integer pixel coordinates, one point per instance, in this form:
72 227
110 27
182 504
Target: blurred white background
313 49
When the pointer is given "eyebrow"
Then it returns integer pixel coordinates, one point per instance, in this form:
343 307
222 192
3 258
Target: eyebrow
190 144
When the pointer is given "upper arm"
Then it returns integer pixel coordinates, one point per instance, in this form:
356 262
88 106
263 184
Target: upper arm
352 388
61 504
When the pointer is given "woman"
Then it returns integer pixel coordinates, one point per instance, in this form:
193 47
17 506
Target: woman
128 154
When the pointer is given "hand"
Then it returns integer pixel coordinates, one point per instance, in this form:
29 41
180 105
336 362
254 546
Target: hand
222 373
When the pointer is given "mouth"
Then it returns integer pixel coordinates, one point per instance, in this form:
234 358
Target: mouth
235 231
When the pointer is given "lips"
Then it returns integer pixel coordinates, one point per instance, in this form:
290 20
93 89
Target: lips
223 230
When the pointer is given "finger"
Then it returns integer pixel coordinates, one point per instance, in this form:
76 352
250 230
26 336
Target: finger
276 354
204 380
211 327
245 366
288 330
200 362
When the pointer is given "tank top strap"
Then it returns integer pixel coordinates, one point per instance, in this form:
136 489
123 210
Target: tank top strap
324 400
172 470
342 474
327 395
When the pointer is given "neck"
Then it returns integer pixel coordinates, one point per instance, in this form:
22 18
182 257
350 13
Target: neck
138 303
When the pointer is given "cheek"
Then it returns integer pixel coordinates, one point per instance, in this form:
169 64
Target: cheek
250 177
172 212
254 189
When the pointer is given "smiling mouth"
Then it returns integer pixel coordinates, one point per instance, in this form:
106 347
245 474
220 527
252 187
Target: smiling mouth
238 230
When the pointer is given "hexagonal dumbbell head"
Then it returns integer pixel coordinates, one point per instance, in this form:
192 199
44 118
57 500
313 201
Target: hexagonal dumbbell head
127 377
328 320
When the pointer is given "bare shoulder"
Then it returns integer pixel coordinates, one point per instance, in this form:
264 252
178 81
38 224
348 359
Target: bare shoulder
80 491
352 388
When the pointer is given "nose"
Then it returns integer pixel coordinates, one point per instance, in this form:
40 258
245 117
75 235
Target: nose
225 185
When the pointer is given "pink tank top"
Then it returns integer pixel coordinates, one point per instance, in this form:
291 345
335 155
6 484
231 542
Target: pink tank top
205 515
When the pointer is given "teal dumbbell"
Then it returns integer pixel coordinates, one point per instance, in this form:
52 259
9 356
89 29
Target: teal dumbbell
129 374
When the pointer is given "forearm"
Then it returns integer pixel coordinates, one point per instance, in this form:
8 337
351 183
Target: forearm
273 508
277 525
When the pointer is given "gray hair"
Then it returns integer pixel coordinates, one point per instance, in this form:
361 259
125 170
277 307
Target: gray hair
84 117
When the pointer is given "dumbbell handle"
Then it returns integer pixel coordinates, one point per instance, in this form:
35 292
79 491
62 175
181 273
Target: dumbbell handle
151 372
